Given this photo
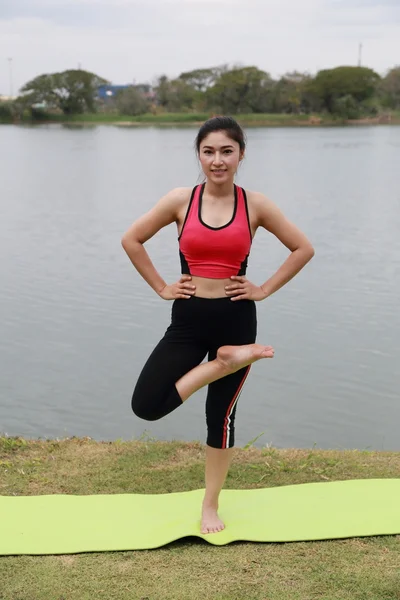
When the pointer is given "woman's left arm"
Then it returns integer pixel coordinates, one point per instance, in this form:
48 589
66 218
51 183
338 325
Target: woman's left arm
272 219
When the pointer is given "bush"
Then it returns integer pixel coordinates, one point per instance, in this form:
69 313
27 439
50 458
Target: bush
39 114
346 107
6 112
132 102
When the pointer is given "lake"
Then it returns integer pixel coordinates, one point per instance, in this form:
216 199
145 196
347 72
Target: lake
77 322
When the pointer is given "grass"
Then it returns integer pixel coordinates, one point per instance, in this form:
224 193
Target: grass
175 119
187 118
184 119
354 569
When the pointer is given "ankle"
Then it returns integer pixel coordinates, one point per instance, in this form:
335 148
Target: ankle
210 503
223 366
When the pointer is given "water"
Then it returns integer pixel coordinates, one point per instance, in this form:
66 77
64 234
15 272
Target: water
77 323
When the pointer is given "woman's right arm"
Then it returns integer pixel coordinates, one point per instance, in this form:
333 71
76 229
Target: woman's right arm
162 214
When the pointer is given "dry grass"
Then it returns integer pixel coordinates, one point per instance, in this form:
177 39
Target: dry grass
354 569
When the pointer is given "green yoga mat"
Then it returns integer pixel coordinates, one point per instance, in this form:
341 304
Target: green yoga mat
66 524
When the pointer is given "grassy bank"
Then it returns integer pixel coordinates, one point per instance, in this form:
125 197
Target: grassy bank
355 569
193 119
187 119
182 119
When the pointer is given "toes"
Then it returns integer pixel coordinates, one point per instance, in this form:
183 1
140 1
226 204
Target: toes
207 530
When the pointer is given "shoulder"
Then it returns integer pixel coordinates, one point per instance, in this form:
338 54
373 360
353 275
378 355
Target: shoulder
257 198
179 194
177 197
261 206
271 218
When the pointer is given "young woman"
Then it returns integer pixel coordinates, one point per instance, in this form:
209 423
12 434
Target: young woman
214 310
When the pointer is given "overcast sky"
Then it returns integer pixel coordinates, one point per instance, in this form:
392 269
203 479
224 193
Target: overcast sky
137 40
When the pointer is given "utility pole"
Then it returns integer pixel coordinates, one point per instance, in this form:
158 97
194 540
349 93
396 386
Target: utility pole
360 48
11 77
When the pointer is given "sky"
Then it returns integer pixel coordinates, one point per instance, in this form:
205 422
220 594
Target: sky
128 41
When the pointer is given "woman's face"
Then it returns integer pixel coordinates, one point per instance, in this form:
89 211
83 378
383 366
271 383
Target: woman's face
219 157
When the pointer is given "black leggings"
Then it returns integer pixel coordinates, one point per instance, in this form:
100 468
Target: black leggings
199 326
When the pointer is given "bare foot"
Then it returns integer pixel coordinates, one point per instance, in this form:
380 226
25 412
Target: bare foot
210 522
233 358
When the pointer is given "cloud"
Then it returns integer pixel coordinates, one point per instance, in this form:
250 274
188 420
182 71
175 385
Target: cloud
125 40
362 19
93 12
373 11
364 3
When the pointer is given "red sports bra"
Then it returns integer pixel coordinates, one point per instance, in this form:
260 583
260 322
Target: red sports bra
215 252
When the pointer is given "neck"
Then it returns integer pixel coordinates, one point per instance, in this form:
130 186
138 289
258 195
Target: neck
219 190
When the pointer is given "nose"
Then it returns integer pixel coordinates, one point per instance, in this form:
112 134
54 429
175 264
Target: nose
217 158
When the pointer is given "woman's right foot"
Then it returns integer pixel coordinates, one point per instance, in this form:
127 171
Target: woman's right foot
233 358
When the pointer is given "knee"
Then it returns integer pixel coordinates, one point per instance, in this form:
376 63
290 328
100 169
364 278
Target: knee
143 410
154 404
220 437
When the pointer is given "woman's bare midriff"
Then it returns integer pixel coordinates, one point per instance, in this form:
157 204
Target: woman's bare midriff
210 288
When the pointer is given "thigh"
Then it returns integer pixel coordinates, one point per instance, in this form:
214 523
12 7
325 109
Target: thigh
237 324
168 362
180 350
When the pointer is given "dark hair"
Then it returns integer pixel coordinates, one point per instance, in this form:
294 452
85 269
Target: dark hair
227 124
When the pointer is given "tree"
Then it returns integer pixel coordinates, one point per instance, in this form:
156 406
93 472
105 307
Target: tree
162 89
202 79
241 90
390 89
72 91
290 94
6 112
132 101
347 107
332 84
175 95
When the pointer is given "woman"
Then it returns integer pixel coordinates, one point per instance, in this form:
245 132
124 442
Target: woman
214 309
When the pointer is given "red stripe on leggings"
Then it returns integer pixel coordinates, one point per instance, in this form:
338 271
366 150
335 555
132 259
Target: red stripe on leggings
231 406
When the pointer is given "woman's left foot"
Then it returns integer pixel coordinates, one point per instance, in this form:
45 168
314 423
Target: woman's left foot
210 522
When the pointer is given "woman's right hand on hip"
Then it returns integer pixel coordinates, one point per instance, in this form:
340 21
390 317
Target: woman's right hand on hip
181 289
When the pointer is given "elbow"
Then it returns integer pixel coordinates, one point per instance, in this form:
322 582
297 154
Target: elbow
124 241
127 241
307 251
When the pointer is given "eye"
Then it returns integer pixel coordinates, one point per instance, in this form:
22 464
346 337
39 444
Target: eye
207 151
228 151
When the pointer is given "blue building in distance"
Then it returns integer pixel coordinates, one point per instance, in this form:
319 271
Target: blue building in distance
107 91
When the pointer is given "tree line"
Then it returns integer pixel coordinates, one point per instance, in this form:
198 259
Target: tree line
346 92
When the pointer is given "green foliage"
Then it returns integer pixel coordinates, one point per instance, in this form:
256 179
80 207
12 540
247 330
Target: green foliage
329 86
71 91
202 79
346 107
6 112
241 90
132 102
247 92
12 444
291 94
390 89
176 95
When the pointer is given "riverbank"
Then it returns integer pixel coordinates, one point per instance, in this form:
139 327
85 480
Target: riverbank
354 569
195 120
